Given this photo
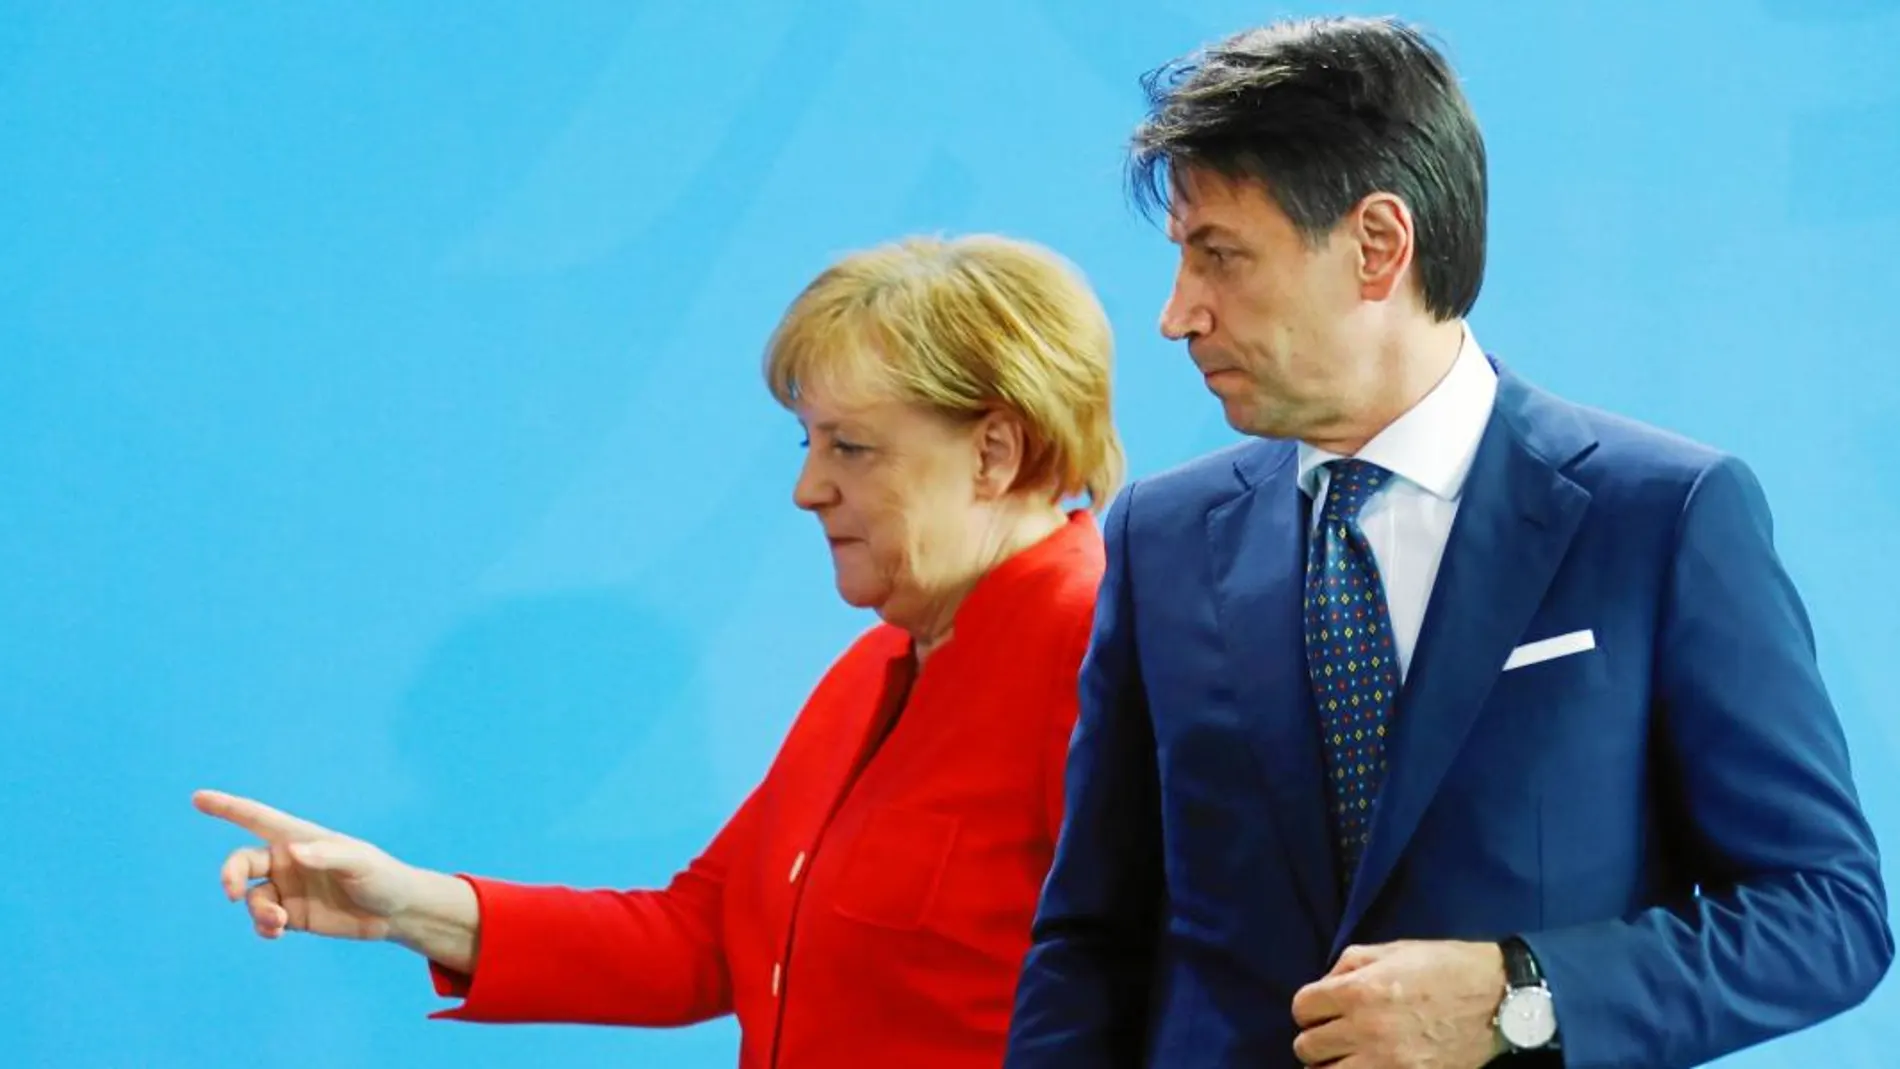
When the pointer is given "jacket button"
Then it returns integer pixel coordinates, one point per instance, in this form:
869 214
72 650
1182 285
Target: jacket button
778 972
798 866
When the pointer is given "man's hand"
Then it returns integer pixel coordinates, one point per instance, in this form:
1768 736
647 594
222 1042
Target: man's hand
1407 1005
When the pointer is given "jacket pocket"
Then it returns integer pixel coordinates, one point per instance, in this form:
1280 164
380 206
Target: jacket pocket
890 877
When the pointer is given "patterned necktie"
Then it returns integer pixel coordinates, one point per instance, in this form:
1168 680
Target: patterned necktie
1349 653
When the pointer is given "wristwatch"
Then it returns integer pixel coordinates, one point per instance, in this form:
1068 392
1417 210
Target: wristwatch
1527 1018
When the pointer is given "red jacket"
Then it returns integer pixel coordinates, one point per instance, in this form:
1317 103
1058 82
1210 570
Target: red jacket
850 917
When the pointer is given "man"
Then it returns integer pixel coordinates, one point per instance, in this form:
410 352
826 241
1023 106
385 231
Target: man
1447 720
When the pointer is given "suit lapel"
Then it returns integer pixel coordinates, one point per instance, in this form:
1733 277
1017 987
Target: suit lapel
1258 543
1515 521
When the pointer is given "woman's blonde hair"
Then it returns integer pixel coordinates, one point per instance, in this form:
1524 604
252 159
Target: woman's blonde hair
966 326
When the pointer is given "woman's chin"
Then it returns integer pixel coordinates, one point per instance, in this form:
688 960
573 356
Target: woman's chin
860 595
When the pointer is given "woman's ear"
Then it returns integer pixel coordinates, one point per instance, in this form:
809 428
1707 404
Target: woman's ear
1000 443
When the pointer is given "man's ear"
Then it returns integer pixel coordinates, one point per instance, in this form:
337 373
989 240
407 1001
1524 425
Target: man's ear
1384 229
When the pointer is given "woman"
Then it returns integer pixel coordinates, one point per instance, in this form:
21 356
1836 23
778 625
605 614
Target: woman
870 902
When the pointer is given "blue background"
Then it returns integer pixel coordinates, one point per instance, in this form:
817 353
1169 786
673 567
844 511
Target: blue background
381 431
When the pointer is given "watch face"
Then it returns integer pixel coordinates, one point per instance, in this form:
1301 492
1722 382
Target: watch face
1528 1018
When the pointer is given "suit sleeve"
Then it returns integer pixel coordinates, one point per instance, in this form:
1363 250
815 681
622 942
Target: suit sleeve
1082 999
1789 924
558 954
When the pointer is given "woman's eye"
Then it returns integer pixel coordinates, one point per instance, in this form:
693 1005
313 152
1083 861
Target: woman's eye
838 446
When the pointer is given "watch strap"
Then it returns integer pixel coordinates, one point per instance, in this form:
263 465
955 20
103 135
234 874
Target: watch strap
1520 965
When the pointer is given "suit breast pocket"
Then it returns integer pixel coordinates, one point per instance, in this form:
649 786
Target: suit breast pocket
1555 673
894 866
1562 725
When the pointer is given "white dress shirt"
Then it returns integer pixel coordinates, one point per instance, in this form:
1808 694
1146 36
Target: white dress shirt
1429 451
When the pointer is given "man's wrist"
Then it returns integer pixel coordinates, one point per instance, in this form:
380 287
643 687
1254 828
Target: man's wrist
1501 983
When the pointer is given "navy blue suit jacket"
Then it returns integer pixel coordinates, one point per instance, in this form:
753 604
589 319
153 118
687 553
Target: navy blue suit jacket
1670 818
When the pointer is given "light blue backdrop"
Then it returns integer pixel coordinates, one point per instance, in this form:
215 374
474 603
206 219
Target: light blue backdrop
380 429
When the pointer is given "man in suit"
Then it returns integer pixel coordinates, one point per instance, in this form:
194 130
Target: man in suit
1444 720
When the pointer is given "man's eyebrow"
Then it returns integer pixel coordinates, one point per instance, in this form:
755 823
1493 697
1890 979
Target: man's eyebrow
1202 234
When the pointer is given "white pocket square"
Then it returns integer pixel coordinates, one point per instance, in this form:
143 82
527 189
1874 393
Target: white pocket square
1550 648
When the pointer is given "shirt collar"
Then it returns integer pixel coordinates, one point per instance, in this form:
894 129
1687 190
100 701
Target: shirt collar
1433 443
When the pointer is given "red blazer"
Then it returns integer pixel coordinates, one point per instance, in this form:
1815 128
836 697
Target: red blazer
853 912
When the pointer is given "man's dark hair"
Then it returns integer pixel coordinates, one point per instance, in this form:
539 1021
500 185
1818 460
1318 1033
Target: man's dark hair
1322 113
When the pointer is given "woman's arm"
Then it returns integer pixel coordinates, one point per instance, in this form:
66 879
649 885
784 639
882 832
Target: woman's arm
515 952
654 958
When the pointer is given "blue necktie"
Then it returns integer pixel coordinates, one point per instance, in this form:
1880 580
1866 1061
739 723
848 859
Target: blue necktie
1350 655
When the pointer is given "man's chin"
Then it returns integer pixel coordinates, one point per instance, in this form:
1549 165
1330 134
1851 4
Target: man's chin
1249 420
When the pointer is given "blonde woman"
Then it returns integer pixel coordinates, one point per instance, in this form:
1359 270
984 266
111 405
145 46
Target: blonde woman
870 902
